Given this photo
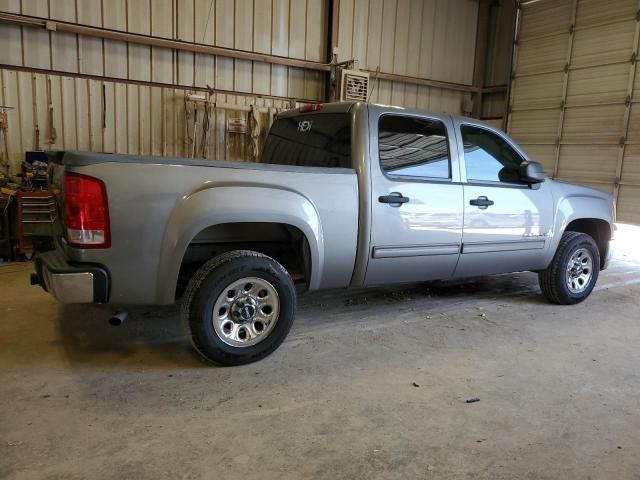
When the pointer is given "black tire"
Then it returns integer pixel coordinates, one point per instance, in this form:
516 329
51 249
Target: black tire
209 283
553 281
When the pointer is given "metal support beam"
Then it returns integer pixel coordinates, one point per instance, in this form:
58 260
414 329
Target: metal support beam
458 87
34 22
480 60
332 57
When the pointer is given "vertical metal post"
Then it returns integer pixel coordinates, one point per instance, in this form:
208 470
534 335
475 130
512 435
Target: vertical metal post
480 61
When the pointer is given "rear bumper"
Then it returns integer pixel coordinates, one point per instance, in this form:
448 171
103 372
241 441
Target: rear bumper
71 283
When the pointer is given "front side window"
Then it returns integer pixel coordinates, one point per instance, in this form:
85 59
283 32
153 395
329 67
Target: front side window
488 157
413 147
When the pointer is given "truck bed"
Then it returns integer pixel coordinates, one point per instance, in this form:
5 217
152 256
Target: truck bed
158 206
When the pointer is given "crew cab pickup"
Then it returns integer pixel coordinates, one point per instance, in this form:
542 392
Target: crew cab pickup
345 195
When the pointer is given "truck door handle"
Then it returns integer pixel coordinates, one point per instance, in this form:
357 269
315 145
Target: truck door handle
395 199
482 202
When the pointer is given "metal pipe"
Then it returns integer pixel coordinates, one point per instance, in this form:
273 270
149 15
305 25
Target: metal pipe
117 318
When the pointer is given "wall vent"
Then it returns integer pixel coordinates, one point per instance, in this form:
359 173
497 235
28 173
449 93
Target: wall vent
354 86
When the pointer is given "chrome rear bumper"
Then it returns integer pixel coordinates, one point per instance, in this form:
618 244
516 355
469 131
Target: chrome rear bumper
82 283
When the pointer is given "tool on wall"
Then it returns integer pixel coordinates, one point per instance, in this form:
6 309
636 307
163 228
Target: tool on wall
4 126
53 135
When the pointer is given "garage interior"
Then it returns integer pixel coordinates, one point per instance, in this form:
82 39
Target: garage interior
477 378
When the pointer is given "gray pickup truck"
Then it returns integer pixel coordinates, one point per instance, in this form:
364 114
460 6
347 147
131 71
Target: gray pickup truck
345 195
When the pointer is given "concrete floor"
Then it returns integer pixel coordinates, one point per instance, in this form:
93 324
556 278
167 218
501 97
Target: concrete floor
559 388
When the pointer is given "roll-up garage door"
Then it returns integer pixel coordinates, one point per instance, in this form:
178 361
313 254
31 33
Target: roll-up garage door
575 95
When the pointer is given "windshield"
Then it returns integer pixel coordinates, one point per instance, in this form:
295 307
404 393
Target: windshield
310 140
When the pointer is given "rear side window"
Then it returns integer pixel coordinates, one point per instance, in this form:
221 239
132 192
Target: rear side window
312 140
413 147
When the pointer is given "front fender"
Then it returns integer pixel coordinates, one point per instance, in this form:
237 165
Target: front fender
574 202
218 203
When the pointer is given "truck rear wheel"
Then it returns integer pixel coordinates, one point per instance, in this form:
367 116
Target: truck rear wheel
573 271
239 307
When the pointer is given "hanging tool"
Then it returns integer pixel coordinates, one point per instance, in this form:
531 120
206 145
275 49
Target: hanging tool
53 135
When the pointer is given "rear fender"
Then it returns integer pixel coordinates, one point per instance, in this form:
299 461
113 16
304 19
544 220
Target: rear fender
216 204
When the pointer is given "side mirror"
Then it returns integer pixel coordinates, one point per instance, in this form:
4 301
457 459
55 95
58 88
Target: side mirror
532 172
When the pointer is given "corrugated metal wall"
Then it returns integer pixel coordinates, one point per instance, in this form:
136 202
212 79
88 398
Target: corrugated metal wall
82 92
498 72
575 99
418 38
291 28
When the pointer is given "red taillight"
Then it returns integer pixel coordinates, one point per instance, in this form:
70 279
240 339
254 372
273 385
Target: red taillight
312 107
86 212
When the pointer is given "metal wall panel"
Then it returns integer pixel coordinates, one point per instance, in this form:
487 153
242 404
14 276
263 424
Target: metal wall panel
96 115
575 91
110 112
410 37
298 26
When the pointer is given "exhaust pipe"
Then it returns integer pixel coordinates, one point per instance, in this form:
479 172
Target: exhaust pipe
117 319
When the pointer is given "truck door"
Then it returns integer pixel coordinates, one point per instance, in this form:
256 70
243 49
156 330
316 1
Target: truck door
416 217
506 222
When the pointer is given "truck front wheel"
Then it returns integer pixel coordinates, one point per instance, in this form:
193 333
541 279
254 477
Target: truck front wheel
573 271
239 307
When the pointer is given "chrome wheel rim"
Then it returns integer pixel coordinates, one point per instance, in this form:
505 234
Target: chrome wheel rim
579 271
246 312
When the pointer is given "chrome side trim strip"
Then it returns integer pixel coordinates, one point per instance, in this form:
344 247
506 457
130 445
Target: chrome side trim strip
508 246
416 250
